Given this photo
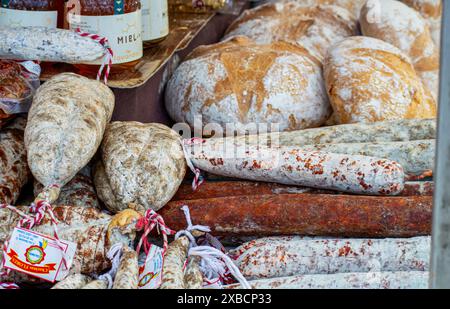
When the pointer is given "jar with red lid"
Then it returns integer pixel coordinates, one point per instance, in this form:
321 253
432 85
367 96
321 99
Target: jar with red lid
24 13
120 21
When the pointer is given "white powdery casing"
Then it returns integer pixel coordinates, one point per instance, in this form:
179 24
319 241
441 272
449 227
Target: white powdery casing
65 126
402 130
239 82
416 157
293 166
289 256
142 164
47 44
375 280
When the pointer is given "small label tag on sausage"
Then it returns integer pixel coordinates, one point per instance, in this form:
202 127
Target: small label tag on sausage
38 255
150 272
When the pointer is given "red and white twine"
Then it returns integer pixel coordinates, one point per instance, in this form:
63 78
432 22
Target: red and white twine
109 54
29 221
147 223
198 178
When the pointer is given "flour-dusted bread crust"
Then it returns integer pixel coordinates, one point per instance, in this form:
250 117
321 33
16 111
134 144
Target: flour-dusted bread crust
240 82
143 164
316 28
14 172
65 127
398 24
369 80
431 10
78 192
353 6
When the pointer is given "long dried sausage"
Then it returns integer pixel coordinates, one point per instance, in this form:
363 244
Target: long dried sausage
46 44
376 280
289 256
293 166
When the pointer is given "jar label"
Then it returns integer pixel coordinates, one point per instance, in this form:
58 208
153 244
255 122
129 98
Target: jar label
155 19
22 18
122 31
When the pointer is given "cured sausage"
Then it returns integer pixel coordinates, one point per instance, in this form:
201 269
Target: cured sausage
72 282
46 44
173 274
416 157
375 280
14 171
193 277
65 126
293 166
289 256
142 164
127 276
78 192
96 285
308 215
382 132
94 233
216 189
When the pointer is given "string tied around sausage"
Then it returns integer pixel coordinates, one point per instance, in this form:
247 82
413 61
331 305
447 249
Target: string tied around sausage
114 255
214 267
148 222
190 228
40 207
214 261
109 54
198 178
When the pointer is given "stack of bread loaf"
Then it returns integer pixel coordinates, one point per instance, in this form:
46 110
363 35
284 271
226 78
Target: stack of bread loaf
305 64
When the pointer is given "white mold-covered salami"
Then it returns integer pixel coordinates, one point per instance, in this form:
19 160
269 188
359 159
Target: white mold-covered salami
65 126
96 285
94 233
375 280
79 191
193 277
289 256
14 172
416 157
379 132
173 275
127 276
143 164
46 44
72 282
293 166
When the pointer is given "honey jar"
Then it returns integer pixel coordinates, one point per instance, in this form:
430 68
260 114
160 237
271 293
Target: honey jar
120 21
24 13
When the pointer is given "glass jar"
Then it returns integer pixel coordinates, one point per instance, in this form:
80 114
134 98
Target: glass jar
155 21
120 21
23 13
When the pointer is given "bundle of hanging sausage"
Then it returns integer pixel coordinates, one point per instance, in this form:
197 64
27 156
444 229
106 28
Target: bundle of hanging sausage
65 127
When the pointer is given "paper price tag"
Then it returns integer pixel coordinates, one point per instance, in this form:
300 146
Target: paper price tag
38 255
150 271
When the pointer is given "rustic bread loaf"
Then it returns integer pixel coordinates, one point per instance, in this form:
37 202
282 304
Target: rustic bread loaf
353 6
396 23
241 82
143 164
65 127
14 172
369 80
313 27
431 10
